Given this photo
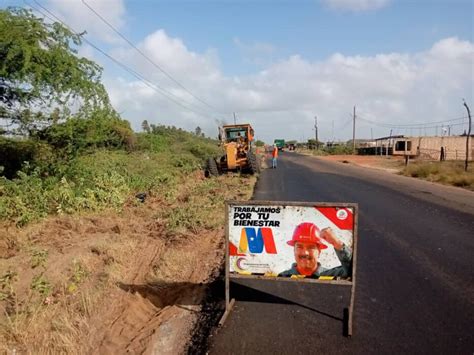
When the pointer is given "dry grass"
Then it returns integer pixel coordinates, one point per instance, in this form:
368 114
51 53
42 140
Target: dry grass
447 172
61 272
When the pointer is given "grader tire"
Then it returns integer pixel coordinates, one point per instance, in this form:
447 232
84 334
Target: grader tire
253 163
212 169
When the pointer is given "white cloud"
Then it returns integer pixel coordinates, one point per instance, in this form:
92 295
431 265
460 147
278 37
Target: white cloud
356 5
282 99
259 53
76 14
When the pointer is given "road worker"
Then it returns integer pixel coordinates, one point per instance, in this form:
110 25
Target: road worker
274 156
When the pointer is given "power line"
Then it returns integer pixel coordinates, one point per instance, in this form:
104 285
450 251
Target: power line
263 110
137 75
340 127
412 125
427 126
353 132
401 128
146 57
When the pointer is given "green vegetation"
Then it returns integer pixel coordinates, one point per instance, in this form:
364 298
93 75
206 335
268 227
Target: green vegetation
79 274
41 285
38 258
41 74
198 212
95 179
323 150
338 150
6 281
446 172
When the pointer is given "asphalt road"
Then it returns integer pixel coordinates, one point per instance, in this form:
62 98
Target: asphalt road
415 277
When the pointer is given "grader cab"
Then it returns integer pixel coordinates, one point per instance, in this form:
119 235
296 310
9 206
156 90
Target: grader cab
238 154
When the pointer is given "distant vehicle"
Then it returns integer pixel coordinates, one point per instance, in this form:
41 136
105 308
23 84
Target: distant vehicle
238 151
291 146
280 143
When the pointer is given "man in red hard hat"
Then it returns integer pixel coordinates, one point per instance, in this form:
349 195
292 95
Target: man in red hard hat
308 241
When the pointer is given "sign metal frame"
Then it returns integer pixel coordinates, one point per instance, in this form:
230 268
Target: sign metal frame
229 303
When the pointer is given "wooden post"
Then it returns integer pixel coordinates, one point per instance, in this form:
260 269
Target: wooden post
467 138
354 132
228 302
354 273
316 131
227 261
227 282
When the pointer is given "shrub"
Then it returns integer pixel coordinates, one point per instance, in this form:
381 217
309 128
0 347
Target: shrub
14 153
338 150
95 179
448 172
463 181
78 134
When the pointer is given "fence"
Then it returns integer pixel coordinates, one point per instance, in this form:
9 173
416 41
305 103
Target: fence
435 154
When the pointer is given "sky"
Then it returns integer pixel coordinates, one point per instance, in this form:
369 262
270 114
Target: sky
405 65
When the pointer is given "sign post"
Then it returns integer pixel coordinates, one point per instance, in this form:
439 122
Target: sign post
291 241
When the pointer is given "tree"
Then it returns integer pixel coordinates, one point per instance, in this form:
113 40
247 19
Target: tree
96 131
198 131
41 75
146 126
259 143
313 144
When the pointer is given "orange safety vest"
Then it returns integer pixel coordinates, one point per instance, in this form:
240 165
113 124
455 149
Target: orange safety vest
275 152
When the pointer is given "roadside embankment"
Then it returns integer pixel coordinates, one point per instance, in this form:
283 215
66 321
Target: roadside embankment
130 276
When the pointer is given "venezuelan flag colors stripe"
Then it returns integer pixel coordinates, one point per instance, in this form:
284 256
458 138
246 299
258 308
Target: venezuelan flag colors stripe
254 240
343 218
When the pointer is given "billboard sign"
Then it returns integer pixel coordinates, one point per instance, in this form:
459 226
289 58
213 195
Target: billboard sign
290 240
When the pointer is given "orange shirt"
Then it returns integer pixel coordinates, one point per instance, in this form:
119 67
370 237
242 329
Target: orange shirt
275 152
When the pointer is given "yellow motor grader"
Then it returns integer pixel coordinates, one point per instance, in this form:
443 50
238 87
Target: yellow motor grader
238 154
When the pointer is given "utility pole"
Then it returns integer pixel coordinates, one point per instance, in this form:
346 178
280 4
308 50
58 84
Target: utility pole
234 119
468 135
354 131
388 143
332 133
316 130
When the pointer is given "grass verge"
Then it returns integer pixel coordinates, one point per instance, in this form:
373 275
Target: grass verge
446 172
64 269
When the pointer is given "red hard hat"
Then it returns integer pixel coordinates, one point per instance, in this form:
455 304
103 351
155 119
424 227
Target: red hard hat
307 232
